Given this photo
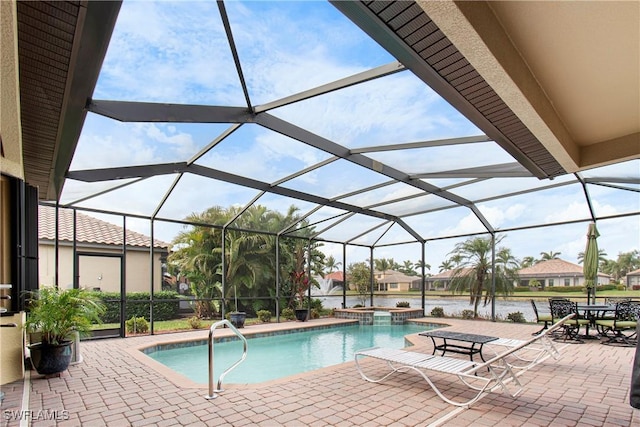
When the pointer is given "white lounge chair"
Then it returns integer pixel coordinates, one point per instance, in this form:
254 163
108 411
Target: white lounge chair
479 377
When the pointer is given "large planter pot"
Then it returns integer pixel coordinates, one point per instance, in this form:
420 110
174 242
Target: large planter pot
237 318
48 359
301 314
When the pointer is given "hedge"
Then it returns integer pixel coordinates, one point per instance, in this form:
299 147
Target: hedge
137 305
564 289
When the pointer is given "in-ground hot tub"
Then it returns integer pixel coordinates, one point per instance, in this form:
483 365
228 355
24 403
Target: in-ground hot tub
365 315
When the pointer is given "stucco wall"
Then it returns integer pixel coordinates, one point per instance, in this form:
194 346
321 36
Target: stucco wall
100 272
11 162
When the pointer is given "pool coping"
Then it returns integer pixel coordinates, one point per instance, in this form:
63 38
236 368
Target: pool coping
252 331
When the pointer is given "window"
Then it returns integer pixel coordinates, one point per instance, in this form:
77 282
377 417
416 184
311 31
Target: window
393 285
567 282
550 282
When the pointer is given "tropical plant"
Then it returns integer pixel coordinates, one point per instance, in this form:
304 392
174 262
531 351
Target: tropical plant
527 261
301 283
55 313
546 256
384 264
474 270
417 266
602 256
446 265
331 265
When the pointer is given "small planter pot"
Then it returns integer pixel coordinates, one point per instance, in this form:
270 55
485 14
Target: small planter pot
50 359
301 314
237 318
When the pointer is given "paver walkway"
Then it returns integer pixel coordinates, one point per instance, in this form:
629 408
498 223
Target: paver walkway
587 386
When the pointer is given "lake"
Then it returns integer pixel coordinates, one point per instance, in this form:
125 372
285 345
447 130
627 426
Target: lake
450 306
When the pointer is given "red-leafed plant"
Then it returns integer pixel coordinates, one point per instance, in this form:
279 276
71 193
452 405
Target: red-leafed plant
301 284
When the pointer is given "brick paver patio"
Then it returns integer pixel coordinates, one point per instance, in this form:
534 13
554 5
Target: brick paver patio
115 385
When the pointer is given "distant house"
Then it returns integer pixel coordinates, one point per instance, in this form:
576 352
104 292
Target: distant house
441 281
632 279
336 277
393 281
100 254
557 272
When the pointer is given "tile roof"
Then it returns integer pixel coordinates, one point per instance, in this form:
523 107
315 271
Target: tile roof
392 276
89 229
554 266
336 275
446 274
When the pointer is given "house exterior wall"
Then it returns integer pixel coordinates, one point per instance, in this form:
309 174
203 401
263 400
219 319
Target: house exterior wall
559 280
100 272
633 280
11 162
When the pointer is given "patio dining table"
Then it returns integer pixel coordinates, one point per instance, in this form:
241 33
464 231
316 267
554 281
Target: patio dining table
594 312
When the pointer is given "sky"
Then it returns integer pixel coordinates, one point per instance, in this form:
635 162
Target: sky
177 52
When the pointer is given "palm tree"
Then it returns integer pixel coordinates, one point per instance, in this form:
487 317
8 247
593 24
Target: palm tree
527 261
601 256
417 266
384 264
474 270
546 256
446 265
331 265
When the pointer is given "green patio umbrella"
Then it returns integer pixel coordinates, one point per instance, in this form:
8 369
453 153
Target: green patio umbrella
590 265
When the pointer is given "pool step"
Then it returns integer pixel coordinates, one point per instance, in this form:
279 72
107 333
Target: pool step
381 318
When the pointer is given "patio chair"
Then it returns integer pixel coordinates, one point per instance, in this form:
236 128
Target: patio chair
540 318
561 308
621 330
480 378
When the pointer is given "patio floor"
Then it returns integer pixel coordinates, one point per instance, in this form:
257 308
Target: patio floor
115 385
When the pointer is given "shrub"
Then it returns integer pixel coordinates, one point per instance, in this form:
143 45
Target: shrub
521 289
315 314
137 325
437 312
316 304
516 317
563 289
194 322
358 306
288 314
138 305
264 316
620 287
404 304
467 314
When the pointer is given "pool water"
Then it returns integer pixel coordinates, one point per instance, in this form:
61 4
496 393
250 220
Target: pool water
278 356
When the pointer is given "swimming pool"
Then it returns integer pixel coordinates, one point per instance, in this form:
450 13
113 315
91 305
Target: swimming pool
278 356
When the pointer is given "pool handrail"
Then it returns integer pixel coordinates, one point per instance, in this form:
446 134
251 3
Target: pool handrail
212 329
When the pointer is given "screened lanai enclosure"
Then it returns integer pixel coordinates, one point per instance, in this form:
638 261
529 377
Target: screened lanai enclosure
256 139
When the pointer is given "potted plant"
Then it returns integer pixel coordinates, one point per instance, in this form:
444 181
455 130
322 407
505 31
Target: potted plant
56 314
236 317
